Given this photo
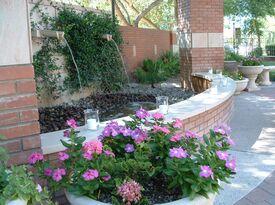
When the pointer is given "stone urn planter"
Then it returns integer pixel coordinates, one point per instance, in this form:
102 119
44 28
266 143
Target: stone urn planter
17 202
265 75
251 72
199 200
240 86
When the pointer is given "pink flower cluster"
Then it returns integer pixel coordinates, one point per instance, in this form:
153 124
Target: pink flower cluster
62 156
158 128
177 123
58 173
178 153
206 172
72 123
91 147
176 137
191 135
34 157
142 114
130 192
158 116
222 129
90 174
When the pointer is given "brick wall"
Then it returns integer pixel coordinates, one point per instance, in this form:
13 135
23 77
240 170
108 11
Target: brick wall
18 112
140 44
202 23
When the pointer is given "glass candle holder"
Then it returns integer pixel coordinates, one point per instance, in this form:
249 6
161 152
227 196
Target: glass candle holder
162 104
91 119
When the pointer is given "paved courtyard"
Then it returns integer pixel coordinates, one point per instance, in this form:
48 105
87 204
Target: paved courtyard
253 126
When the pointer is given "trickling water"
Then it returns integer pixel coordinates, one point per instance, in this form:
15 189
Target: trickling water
78 75
123 63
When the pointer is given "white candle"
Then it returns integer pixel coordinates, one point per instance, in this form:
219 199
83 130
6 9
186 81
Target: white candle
92 124
163 109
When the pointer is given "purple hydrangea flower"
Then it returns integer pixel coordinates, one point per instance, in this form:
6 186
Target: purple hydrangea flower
191 135
222 155
231 164
222 129
142 114
126 131
139 135
178 153
206 172
129 148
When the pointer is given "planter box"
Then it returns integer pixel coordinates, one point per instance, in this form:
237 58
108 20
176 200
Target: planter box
251 72
17 202
199 200
240 85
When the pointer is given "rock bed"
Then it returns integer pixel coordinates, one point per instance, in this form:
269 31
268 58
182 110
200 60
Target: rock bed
54 118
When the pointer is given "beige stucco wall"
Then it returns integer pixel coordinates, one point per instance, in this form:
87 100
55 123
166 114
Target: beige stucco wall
14 33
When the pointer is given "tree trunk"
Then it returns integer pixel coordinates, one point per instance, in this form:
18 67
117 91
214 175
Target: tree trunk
146 11
120 15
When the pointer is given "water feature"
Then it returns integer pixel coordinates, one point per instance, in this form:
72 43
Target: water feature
78 75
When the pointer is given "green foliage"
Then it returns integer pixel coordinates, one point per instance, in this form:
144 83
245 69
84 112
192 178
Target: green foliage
98 60
18 183
151 72
252 61
232 56
233 75
270 50
157 71
257 52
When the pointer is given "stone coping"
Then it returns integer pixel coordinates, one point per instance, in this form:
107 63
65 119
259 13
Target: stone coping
214 96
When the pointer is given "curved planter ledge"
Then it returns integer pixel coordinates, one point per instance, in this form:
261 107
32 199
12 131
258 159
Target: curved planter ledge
199 113
199 200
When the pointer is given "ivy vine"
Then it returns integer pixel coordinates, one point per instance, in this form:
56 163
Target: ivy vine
97 59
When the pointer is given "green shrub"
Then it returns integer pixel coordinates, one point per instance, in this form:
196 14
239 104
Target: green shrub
252 61
170 63
270 50
232 56
257 52
151 72
233 75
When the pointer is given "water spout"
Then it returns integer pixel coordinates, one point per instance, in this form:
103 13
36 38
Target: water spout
60 36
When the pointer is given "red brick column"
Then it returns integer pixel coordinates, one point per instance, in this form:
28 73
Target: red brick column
18 112
200 24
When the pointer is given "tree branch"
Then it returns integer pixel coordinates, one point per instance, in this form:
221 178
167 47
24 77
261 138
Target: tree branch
120 14
145 11
144 19
125 10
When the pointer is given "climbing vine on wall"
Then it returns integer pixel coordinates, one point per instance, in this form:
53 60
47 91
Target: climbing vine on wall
97 59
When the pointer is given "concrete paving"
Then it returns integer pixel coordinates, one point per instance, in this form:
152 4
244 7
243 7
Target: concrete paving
253 128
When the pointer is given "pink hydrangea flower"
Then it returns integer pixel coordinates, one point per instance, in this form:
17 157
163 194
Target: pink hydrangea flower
206 172
66 133
176 137
106 178
90 174
158 116
58 174
94 146
230 141
231 164
222 155
34 157
142 114
130 192
72 123
48 172
178 153
109 153
177 123
191 135
161 129
62 156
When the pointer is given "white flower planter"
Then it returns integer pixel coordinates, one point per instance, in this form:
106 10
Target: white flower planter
251 72
199 200
240 86
17 202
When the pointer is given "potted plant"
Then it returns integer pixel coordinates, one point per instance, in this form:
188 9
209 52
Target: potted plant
232 60
250 68
145 161
241 82
17 186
